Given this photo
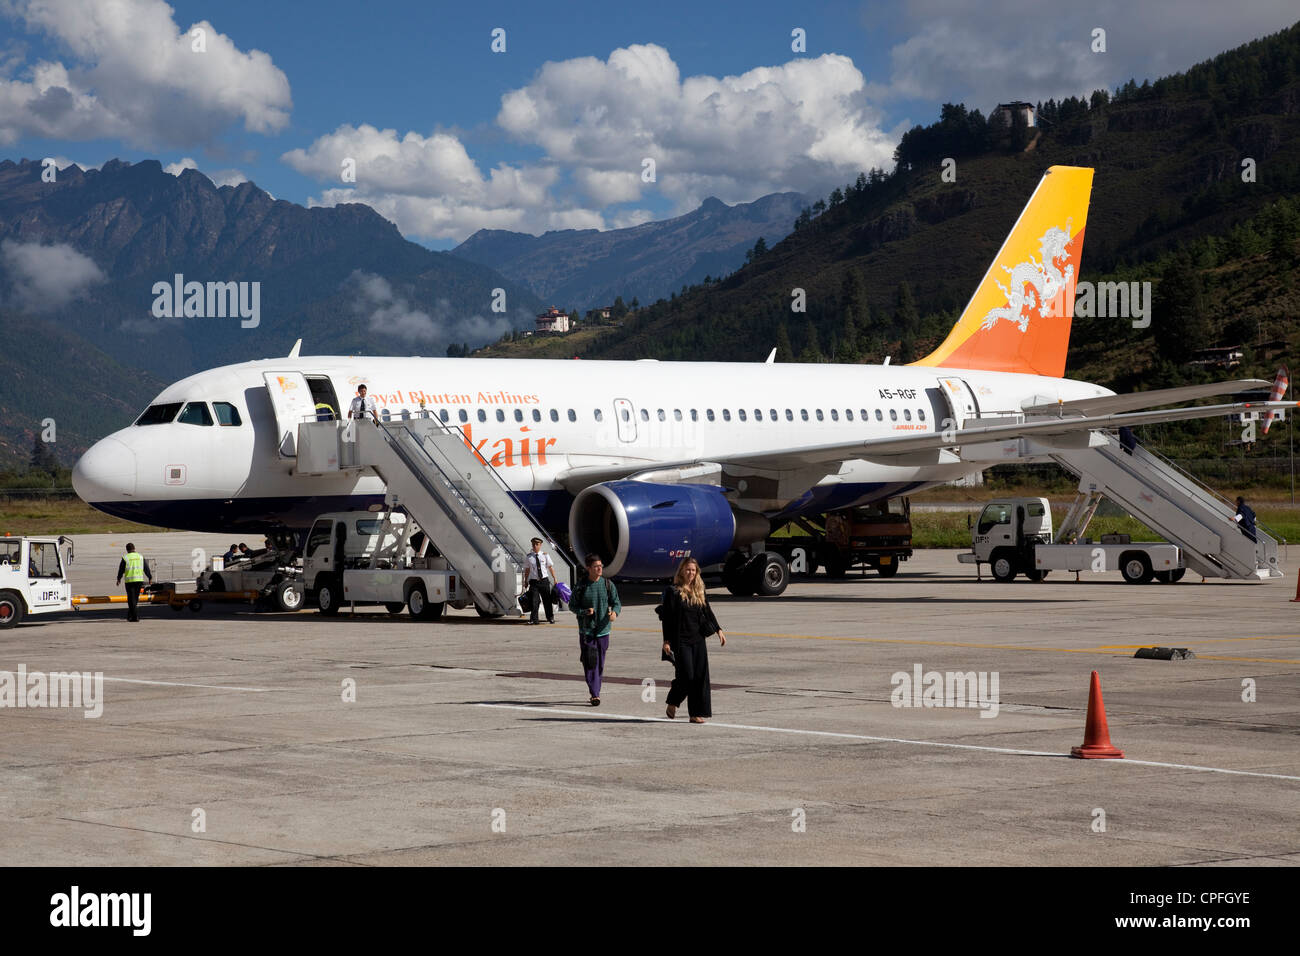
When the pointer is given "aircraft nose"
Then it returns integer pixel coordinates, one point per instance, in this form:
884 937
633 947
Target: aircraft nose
106 472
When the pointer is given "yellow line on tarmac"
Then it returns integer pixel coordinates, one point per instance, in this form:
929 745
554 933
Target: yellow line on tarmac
887 640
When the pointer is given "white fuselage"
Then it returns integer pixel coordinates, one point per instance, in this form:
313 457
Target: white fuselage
537 422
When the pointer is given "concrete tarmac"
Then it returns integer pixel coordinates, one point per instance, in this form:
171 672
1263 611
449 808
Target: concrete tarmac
228 737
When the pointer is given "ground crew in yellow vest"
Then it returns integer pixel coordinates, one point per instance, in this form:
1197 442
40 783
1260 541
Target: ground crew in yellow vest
135 569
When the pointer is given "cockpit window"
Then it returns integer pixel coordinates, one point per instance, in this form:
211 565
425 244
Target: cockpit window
159 414
227 414
196 413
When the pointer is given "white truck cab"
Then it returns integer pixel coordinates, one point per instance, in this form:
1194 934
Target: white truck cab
34 577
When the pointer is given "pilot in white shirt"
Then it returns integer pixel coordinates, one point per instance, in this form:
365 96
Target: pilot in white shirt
363 405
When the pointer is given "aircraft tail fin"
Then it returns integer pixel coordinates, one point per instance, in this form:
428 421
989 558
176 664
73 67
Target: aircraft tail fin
1018 320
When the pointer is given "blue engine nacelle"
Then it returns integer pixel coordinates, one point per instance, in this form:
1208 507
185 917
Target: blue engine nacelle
644 530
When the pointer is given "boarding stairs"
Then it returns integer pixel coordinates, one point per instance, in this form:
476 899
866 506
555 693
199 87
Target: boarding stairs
456 497
1169 501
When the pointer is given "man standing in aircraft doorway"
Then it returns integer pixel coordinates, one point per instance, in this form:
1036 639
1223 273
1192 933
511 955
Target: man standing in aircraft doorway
363 404
135 569
539 589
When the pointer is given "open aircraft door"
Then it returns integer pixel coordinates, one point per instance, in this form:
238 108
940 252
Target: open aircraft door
293 404
961 404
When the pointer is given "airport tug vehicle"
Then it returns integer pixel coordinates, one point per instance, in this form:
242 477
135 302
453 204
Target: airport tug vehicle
1014 536
34 577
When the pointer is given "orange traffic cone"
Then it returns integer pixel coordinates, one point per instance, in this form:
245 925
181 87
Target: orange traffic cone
1096 735
1293 600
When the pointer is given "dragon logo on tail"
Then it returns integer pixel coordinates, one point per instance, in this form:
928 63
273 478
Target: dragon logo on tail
1034 285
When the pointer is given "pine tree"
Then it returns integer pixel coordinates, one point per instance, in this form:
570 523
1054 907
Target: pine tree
1180 324
906 319
42 459
812 350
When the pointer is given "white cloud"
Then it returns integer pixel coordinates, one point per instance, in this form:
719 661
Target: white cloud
391 314
803 125
222 177
806 125
135 76
44 278
1008 49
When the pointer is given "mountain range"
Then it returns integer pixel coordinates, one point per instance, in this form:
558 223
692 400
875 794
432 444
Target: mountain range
587 268
89 339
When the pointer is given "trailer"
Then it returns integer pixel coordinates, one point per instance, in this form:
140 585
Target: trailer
1014 536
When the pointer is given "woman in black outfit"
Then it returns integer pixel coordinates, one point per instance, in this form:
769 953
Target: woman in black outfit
687 620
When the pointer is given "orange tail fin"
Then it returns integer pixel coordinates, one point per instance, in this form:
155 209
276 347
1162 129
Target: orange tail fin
1018 320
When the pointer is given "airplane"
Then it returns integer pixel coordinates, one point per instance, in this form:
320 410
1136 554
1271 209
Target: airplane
646 461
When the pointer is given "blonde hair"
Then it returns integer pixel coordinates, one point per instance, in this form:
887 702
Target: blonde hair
692 594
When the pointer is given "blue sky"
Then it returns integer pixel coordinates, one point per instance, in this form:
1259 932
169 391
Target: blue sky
447 136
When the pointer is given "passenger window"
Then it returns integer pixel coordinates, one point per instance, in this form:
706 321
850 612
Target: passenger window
573 416
599 416
864 414
835 415
803 413
758 414
879 417
385 414
645 415
443 414
907 414
555 414
709 412
677 414
772 413
463 416
893 415
920 413
501 414
741 413
623 414
661 415
519 414
482 414
848 414
695 415
789 414
726 414
820 416
196 413
537 414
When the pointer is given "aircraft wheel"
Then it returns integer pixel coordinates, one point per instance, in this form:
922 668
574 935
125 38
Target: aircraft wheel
289 596
769 574
11 609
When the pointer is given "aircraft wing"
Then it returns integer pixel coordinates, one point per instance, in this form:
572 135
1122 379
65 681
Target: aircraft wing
1043 429
1062 428
1109 404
